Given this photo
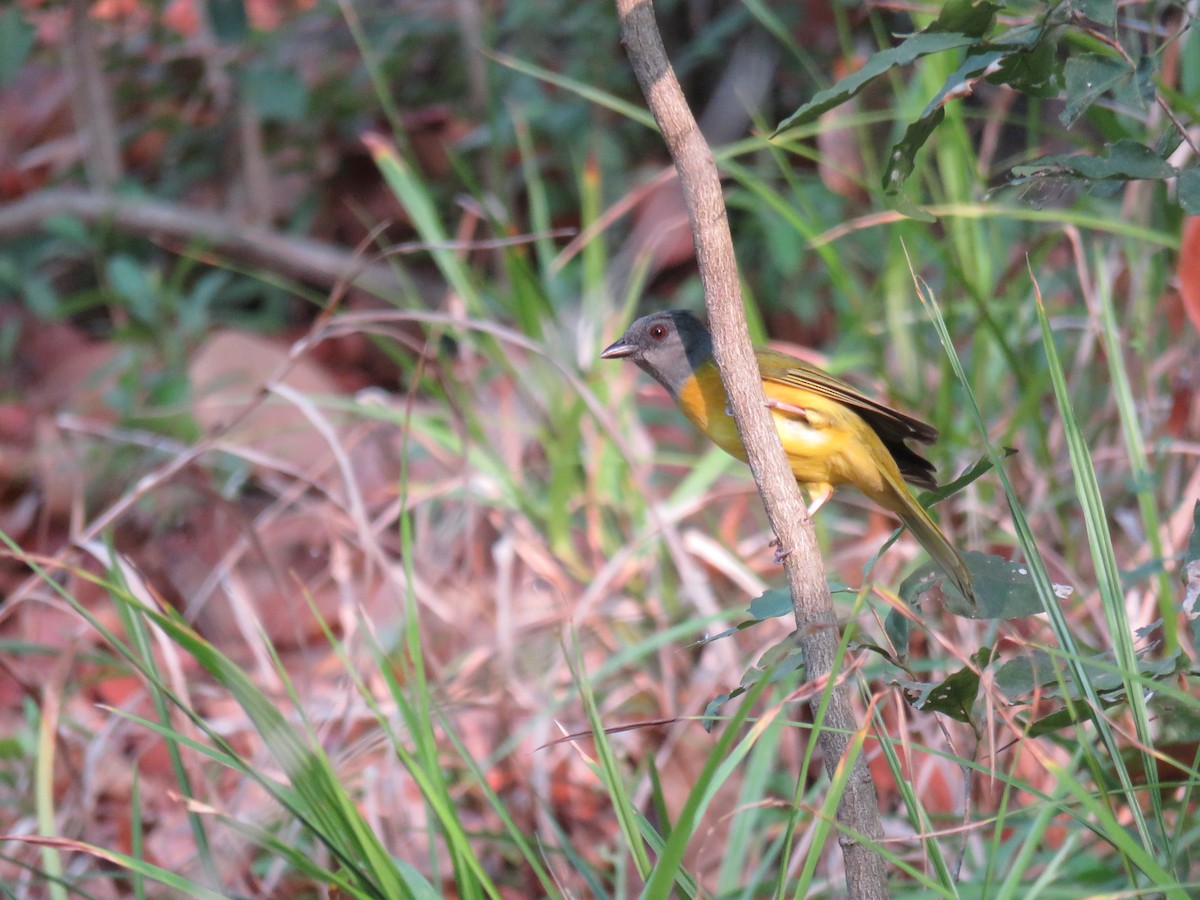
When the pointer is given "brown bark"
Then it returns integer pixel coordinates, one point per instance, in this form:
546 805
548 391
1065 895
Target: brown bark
858 810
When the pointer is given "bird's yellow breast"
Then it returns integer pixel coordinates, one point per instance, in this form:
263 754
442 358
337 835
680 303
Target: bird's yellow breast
828 444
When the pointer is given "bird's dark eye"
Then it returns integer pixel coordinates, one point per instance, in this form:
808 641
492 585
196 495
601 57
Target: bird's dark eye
658 332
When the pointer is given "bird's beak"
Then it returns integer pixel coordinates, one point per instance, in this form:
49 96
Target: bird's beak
618 350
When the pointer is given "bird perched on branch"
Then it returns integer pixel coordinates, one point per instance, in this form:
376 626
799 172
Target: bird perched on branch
833 434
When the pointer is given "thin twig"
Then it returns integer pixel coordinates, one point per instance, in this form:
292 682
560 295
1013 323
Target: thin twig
858 812
289 255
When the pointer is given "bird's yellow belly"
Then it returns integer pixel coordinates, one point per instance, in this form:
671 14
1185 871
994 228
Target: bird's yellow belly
820 450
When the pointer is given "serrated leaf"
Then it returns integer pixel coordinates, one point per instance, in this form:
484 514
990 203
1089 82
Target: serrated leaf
1003 589
1088 77
912 49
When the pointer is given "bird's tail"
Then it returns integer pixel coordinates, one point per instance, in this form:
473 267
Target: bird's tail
925 530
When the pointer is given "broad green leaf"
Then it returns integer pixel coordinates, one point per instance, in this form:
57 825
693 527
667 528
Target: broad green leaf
1088 77
1004 589
1138 91
1102 11
771 604
776 602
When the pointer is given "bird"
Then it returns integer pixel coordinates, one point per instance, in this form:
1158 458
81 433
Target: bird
833 434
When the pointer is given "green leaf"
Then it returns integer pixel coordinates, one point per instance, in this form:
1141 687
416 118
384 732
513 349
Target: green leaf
878 650
912 49
898 628
771 604
16 41
973 17
981 467
128 280
1193 547
1138 92
955 695
776 602
40 296
276 93
906 206
1004 589
1125 160
902 159
1036 671
1102 11
1055 722
779 661
1088 77
1019 677
1189 573
1189 190
228 18
1035 71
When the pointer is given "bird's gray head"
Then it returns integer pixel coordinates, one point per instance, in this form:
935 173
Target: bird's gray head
668 345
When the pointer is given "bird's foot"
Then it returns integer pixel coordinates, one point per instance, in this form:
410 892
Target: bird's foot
780 553
799 411
817 495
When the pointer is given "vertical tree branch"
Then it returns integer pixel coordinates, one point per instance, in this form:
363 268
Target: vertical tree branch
858 810
91 99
